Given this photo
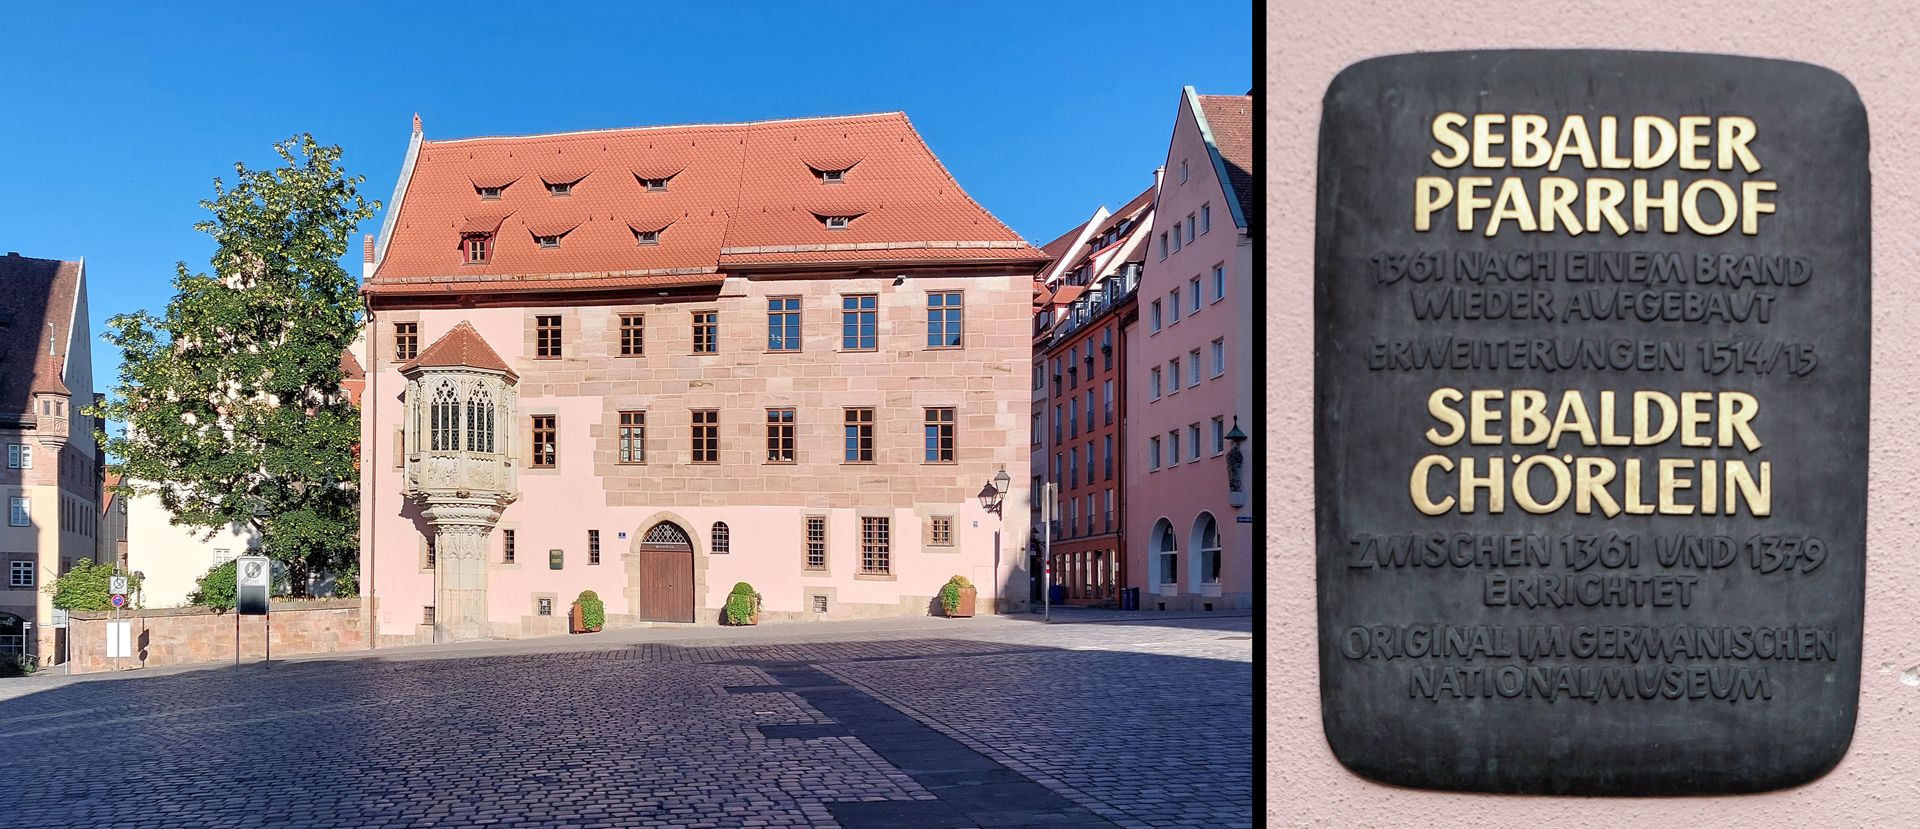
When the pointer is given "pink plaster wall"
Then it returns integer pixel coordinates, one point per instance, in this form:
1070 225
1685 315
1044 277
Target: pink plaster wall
1873 44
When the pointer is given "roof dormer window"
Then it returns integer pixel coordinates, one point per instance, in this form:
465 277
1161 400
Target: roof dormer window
654 185
837 222
647 237
832 176
560 189
490 193
479 247
547 241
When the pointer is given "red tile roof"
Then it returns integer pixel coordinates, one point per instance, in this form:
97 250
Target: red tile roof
107 495
460 347
1230 119
738 195
353 378
36 306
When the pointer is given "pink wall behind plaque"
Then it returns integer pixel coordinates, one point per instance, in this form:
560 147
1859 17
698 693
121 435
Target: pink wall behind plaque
1877 46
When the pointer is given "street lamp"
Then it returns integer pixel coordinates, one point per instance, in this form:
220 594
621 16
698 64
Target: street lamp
994 494
1236 494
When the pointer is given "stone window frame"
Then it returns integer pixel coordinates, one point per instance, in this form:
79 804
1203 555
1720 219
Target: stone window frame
931 537
720 539
429 552
19 566
888 541
826 544
553 605
533 448
638 454
509 543
428 618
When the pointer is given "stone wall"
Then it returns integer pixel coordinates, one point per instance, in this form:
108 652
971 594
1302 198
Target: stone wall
189 635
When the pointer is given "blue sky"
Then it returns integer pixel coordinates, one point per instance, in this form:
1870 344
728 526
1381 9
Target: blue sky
117 118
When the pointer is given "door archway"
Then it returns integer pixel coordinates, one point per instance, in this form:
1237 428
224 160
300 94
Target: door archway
666 574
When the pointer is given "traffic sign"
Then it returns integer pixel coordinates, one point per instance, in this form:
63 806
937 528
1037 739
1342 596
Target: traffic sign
253 578
119 600
118 584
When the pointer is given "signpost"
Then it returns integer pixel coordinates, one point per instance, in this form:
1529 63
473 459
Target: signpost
253 581
1591 351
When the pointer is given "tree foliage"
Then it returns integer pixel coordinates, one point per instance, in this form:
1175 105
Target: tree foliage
88 586
232 398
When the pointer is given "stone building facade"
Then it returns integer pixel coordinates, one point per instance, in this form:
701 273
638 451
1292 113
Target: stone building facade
656 362
52 476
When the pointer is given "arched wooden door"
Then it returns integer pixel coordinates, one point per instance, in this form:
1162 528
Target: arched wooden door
666 574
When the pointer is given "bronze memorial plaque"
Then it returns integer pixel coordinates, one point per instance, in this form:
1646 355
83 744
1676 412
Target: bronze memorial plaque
1590 436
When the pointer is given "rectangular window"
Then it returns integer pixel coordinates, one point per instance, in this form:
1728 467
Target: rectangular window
941 532
546 442
1219 282
1106 456
876 552
1073 467
1153 453
1173 447
633 437
1057 423
1090 462
783 323
1109 519
426 615
545 606
1039 376
1153 383
1190 224
593 546
433 554
633 329
406 341
1163 247
1173 303
546 337
1056 467
780 435
20 574
816 542
1206 218
1037 431
940 425
1154 317
1219 356
506 546
1176 237
1193 291
13 455
479 246
859 322
1173 375
943 319
859 436
706 332
1089 410
1073 417
1106 403
1193 368
1217 436
22 513
1193 441
706 436
1106 348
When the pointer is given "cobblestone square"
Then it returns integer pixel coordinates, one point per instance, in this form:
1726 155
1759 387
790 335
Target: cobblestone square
1096 719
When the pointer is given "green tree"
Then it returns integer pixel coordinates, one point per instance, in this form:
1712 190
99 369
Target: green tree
232 399
88 586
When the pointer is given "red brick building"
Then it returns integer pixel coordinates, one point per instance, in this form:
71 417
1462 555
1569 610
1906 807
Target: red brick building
1081 306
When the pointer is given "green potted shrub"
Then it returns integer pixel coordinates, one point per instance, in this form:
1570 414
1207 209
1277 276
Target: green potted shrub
743 605
589 613
957 597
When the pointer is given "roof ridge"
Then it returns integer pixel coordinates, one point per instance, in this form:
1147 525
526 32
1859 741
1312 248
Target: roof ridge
710 124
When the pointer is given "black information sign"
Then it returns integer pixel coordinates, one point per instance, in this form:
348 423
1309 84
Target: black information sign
1591 420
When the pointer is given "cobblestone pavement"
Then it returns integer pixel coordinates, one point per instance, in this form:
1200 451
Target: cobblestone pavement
1094 720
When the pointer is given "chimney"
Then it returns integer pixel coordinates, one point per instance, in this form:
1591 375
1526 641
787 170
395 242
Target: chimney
416 123
366 256
1159 173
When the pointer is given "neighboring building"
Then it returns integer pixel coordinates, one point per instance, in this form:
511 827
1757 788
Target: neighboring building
654 362
111 546
1191 389
1080 388
171 558
52 474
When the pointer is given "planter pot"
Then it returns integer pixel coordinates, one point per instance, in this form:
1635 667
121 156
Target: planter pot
577 621
752 618
964 608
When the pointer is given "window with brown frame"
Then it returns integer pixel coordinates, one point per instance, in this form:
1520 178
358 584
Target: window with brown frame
706 436
406 341
816 542
546 442
633 437
593 546
706 332
632 335
426 615
780 427
941 534
859 436
859 322
876 552
433 555
479 247
546 336
506 546
939 429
